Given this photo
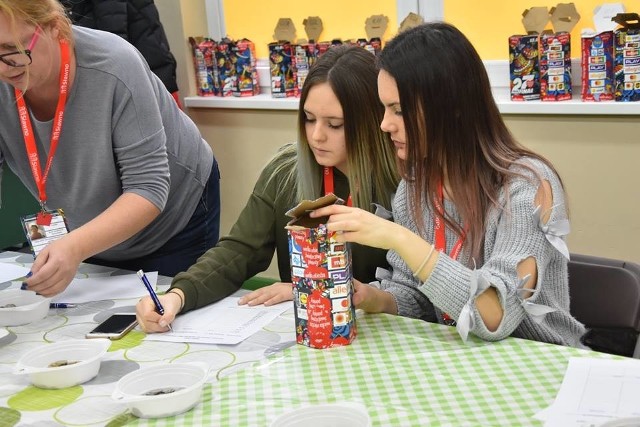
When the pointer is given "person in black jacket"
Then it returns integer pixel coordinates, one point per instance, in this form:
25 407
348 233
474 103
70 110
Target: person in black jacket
136 21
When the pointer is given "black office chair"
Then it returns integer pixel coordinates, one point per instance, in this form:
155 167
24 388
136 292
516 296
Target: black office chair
605 296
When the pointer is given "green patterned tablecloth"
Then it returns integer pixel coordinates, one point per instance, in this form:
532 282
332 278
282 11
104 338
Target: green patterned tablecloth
90 404
405 372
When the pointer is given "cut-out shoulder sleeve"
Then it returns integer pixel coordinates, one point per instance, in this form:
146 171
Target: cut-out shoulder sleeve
514 232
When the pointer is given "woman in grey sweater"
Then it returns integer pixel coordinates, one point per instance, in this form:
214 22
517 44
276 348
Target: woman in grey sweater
138 185
479 221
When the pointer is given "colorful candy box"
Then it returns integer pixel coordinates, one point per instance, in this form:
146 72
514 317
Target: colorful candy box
322 279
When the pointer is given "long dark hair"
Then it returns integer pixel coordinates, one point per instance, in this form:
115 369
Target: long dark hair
453 126
352 73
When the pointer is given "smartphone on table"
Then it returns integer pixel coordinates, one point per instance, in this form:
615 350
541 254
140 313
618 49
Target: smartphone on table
114 327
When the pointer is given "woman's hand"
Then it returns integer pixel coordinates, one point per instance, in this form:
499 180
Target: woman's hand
150 320
360 226
373 300
54 268
268 295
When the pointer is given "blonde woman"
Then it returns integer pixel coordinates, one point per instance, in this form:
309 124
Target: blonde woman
340 149
136 181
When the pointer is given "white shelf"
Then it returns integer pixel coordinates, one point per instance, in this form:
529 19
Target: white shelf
575 106
498 72
264 101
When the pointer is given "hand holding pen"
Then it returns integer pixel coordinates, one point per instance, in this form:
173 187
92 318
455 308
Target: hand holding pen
142 309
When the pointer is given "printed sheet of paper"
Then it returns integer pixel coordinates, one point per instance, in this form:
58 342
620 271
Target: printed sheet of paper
595 391
224 322
104 288
10 272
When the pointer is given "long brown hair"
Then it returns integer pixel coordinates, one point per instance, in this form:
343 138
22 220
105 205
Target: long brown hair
453 126
352 73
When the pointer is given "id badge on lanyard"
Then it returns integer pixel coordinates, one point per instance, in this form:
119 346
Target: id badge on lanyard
43 228
47 225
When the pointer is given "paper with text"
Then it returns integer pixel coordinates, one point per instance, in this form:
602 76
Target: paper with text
595 391
106 288
224 322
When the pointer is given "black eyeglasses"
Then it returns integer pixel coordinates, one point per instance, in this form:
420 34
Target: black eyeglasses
21 58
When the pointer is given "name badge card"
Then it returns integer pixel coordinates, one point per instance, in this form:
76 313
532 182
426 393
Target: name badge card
43 228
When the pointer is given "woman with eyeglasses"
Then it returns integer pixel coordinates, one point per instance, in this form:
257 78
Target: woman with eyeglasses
97 139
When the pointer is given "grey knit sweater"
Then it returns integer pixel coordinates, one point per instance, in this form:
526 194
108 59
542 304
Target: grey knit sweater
514 232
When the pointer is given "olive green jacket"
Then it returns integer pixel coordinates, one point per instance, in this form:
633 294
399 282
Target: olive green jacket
248 249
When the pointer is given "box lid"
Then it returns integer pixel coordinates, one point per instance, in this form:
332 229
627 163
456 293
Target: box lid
535 19
627 20
300 213
603 16
313 27
375 26
564 17
285 30
412 20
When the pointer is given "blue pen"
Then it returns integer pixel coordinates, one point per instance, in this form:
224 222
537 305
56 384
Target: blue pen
154 297
62 305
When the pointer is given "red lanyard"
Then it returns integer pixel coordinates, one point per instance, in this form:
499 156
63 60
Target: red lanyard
328 184
27 130
441 240
438 225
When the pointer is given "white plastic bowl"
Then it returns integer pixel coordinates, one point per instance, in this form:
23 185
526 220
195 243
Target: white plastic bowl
87 353
29 307
325 415
178 387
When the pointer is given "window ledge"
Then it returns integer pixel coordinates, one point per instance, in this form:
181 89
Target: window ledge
264 101
498 72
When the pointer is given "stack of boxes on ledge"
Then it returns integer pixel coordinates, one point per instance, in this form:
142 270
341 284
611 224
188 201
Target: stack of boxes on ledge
540 61
228 67
225 68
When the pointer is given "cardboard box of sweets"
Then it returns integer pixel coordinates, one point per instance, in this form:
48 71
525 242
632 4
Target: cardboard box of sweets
555 67
207 81
322 279
627 58
597 54
597 66
540 61
524 68
555 54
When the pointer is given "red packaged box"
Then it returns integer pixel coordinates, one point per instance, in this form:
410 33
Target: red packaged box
597 66
244 53
322 279
555 67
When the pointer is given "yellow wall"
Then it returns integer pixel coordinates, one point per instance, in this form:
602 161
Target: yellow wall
489 24
256 20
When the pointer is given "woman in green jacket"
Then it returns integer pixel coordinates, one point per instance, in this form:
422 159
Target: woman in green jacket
340 149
